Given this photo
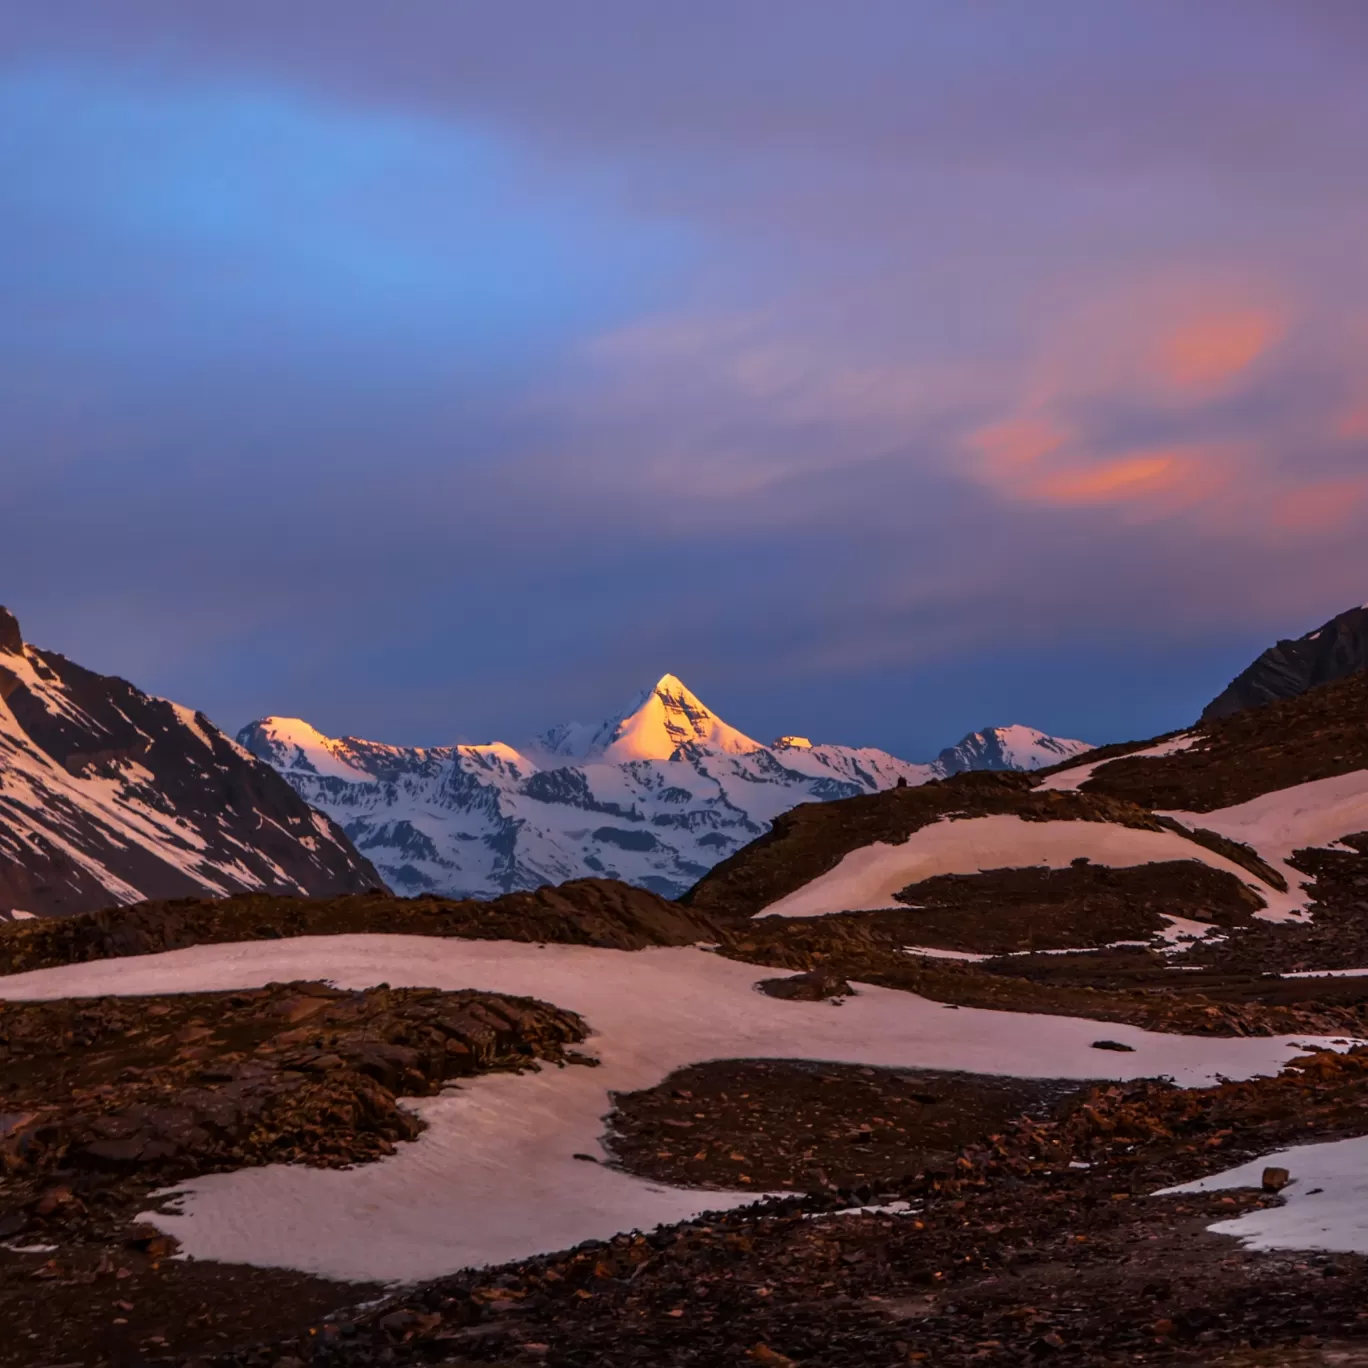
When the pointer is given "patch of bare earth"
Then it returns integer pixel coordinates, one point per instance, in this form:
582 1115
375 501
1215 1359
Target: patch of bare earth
791 1124
1138 987
1007 911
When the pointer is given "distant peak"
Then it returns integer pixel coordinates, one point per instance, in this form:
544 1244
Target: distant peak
657 723
290 743
653 726
792 743
1013 747
12 639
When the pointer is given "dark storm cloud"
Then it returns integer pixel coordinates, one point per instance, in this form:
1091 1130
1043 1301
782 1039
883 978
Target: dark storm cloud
882 372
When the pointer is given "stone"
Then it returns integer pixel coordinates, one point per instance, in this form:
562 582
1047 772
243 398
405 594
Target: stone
816 986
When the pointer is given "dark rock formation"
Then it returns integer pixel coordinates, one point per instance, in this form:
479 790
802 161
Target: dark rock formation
1338 648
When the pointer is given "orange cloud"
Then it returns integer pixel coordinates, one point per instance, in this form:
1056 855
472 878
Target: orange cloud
1118 481
1210 352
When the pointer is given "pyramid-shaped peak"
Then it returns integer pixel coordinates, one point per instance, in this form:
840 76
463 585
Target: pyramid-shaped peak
661 720
653 726
670 686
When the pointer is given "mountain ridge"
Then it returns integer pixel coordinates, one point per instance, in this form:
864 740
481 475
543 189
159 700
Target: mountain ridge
1292 666
109 795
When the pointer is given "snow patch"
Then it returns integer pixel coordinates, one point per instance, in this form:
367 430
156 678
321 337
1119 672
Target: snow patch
1325 1205
867 878
1315 814
1071 780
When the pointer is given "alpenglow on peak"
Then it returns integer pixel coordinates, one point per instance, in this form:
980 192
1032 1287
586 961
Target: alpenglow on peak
653 726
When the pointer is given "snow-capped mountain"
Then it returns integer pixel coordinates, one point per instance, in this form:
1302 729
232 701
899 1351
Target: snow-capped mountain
655 795
1007 748
653 726
108 795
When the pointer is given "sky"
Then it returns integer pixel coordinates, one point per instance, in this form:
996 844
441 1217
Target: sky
885 371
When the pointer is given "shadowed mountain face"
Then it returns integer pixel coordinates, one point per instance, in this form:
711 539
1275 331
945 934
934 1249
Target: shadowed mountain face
1338 648
108 795
655 795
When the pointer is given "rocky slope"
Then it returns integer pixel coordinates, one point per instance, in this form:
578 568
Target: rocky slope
1332 651
108 795
655 795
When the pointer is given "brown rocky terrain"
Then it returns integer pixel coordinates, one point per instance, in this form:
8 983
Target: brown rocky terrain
104 1101
1039 1241
1138 987
779 1123
583 912
1003 911
1317 735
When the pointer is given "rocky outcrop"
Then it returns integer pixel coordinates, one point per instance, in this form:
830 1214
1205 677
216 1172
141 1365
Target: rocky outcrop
1318 734
1332 651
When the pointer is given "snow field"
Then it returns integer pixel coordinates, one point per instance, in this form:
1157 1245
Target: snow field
866 879
494 1177
1276 824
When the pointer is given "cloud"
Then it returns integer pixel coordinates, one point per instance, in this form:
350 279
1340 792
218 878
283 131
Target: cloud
1112 481
1209 353
1321 508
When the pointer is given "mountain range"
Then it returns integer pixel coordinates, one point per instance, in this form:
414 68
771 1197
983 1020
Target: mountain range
109 795
654 795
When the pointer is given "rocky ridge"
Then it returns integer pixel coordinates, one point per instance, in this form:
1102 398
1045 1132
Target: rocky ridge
1335 649
109 795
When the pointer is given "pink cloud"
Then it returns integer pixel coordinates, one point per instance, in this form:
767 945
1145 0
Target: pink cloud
1353 425
1210 352
1020 443
1328 506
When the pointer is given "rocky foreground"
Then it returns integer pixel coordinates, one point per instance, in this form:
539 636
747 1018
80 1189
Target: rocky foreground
1033 1235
